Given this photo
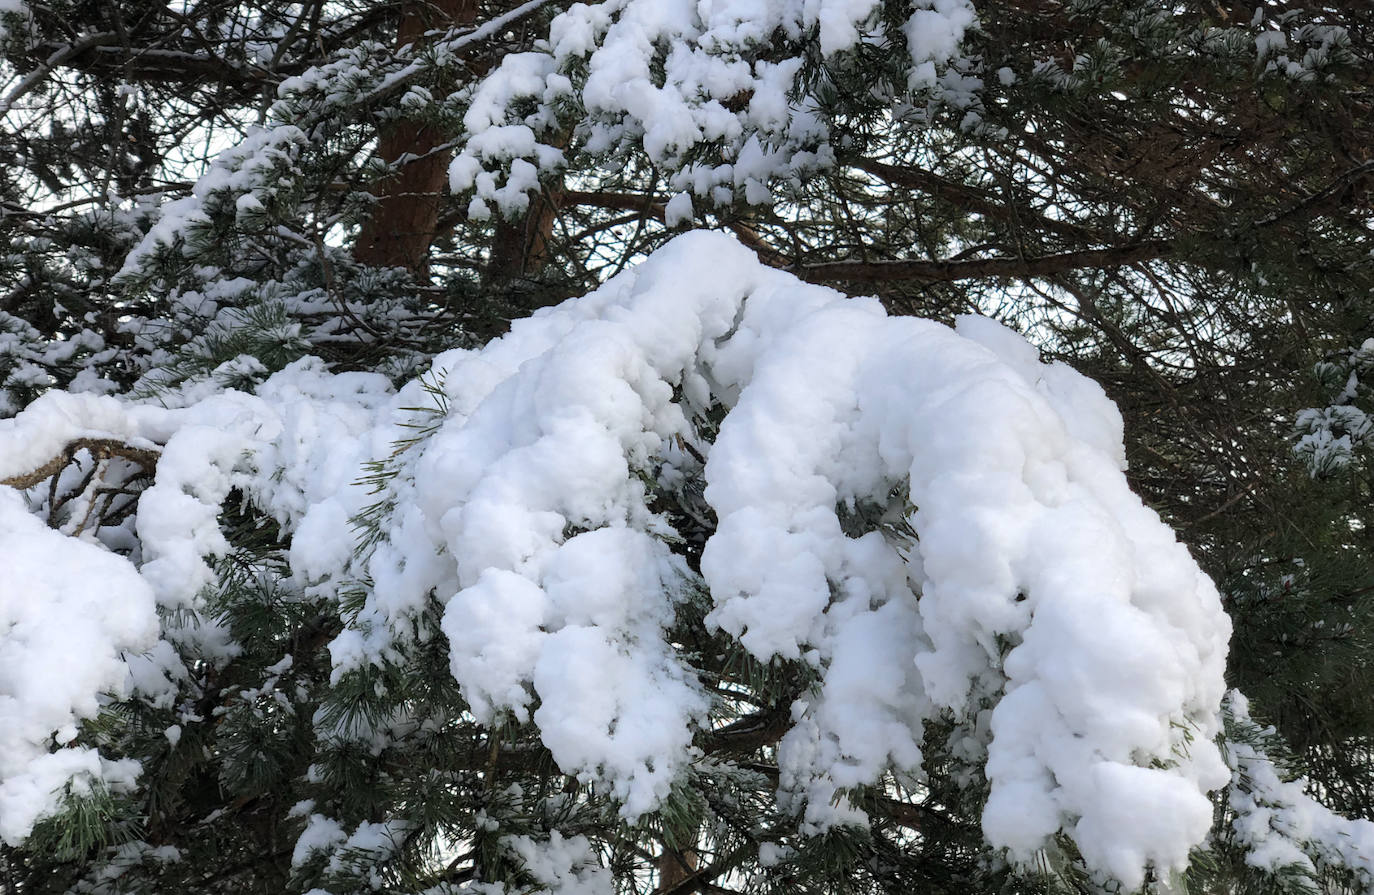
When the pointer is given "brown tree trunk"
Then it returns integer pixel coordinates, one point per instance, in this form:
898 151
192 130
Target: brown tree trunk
405 218
675 868
520 248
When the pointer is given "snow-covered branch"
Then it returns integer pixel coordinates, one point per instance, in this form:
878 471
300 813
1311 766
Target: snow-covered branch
1033 599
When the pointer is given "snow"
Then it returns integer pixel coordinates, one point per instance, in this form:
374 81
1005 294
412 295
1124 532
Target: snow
10 8
247 173
678 210
869 712
1329 437
1026 534
1269 43
931 521
1277 823
674 77
68 610
325 837
936 28
321 834
1006 577
562 865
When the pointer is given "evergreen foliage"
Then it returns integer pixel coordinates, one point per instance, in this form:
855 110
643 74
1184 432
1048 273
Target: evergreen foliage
1171 198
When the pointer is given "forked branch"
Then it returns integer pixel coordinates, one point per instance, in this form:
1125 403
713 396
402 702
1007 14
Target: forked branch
98 448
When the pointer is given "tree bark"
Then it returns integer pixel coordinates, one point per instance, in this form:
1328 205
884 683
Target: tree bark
405 219
520 248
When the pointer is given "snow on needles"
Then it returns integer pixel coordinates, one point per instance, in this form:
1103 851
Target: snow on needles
67 611
1279 825
931 519
674 77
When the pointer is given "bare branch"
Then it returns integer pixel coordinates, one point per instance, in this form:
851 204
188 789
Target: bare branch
99 449
969 198
983 268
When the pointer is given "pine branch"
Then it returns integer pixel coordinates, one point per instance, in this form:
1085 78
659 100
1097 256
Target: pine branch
749 733
984 268
969 198
1312 201
99 449
100 54
56 55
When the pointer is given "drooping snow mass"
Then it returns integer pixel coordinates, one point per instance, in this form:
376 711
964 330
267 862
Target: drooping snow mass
930 518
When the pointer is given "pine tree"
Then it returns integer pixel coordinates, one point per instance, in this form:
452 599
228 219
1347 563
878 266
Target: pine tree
706 580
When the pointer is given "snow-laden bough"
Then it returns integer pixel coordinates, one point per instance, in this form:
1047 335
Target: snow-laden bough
672 78
1031 598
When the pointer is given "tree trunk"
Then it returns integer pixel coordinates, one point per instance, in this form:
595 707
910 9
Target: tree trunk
404 221
675 868
520 248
